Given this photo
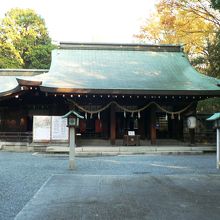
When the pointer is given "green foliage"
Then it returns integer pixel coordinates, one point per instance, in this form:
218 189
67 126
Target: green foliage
23 36
9 57
213 58
192 23
216 4
210 105
40 56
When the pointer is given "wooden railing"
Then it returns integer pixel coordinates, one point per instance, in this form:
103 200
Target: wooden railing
16 136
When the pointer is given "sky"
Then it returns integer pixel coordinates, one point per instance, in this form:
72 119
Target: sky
110 21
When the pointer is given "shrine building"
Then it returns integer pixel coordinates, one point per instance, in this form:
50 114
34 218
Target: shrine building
146 91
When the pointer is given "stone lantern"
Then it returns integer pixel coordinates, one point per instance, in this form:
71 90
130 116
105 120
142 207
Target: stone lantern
216 119
73 118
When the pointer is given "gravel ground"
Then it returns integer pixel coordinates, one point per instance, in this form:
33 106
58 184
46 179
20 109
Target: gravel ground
22 174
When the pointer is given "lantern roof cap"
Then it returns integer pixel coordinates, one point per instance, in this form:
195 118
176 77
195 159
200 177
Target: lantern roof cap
72 112
214 117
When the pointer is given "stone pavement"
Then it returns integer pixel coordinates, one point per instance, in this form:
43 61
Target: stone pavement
152 197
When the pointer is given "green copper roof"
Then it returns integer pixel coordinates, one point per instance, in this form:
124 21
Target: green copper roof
214 117
86 68
114 68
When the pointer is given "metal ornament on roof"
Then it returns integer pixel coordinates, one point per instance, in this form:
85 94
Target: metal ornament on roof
129 110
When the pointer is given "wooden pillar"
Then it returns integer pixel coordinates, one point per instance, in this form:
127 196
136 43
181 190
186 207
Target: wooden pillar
153 132
141 123
112 125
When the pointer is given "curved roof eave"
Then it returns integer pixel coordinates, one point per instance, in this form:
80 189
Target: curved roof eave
10 92
23 82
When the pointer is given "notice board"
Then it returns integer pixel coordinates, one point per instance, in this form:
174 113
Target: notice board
49 128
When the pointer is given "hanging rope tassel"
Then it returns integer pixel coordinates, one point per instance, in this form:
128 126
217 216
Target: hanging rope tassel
172 116
99 115
86 115
179 116
91 116
132 114
139 115
166 117
124 114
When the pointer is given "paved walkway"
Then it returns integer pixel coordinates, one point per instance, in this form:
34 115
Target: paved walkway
23 174
125 197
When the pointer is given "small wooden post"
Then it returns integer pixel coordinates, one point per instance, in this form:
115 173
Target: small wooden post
192 136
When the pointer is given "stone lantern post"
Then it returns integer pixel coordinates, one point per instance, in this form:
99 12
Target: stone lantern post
216 119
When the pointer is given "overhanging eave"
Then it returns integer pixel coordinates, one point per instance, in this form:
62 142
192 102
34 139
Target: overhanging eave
130 91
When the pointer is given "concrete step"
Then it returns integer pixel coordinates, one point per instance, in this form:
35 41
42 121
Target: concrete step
120 150
103 150
15 147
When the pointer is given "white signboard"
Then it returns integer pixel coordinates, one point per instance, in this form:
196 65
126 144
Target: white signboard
41 128
59 128
131 133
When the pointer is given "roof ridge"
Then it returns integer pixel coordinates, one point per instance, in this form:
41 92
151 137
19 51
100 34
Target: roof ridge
121 46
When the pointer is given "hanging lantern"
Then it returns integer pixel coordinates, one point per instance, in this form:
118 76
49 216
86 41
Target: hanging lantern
191 122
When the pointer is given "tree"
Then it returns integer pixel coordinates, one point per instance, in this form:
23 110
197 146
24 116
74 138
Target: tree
213 59
214 49
181 22
192 23
9 57
23 37
216 4
196 25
